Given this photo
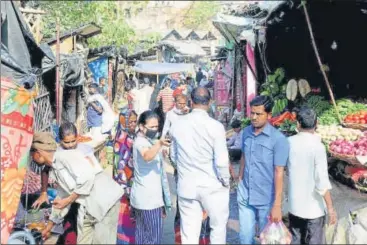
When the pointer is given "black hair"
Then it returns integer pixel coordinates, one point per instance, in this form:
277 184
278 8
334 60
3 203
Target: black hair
66 129
236 124
93 85
146 115
128 87
152 82
200 96
167 83
264 100
102 78
307 117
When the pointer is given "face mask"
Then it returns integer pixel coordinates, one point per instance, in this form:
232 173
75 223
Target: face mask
151 133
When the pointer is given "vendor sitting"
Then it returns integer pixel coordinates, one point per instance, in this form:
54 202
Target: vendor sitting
234 143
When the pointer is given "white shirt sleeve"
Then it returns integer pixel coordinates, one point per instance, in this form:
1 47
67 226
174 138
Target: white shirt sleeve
221 158
322 182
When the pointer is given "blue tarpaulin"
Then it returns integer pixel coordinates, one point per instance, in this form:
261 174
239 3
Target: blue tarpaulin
99 68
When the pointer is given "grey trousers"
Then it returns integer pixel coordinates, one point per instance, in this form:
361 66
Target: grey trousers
104 232
307 231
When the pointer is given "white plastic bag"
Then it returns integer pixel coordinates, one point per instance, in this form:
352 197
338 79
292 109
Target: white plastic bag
275 233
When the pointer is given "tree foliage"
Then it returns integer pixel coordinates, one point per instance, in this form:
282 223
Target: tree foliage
105 14
200 13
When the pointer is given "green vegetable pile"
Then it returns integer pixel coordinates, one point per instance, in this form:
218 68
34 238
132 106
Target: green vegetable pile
317 103
345 107
289 127
245 122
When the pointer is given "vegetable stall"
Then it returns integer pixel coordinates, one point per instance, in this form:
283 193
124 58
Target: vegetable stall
342 128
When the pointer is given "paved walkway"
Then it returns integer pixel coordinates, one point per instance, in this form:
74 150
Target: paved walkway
232 226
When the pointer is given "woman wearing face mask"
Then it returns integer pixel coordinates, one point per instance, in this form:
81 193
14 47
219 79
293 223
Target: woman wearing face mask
123 173
149 193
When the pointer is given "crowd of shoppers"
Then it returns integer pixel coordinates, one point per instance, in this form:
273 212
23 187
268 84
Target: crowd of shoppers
138 196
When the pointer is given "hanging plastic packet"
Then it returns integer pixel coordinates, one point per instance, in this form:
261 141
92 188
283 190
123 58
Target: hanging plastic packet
275 233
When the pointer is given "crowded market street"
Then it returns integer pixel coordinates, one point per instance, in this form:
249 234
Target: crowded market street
183 122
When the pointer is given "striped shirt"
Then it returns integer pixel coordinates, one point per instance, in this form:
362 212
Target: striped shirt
167 99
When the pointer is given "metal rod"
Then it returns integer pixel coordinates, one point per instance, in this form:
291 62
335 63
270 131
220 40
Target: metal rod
58 106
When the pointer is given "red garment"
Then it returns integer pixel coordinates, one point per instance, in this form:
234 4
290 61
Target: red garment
166 95
177 92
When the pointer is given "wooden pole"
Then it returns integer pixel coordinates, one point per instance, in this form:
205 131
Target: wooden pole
58 106
320 62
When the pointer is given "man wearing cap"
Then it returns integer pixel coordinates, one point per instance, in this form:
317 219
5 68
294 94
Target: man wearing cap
78 181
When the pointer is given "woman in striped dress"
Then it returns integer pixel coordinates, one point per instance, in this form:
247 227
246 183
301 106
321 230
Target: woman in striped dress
149 192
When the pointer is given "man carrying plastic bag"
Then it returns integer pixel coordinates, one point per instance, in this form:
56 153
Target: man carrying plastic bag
309 183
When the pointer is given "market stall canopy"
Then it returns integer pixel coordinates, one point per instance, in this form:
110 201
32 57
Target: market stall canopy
21 57
239 23
185 48
162 68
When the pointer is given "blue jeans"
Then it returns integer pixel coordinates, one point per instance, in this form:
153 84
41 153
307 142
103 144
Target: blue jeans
250 217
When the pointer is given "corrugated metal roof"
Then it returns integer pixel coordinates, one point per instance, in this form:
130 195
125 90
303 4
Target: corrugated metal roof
85 30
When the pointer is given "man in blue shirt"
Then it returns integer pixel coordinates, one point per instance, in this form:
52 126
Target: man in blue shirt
102 89
94 110
265 154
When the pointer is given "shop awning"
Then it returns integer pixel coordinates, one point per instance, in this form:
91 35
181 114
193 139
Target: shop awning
162 68
241 23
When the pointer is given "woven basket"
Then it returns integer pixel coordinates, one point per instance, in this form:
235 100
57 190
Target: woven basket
362 127
351 159
346 158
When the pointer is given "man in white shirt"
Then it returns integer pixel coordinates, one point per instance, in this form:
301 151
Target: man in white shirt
200 151
175 113
234 143
145 95
136 98
309 183
204 81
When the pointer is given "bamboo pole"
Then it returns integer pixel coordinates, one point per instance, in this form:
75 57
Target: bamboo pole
320 62
58 113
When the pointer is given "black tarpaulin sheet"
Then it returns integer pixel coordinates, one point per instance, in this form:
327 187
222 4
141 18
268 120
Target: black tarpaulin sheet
20 56
72 70
49 61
